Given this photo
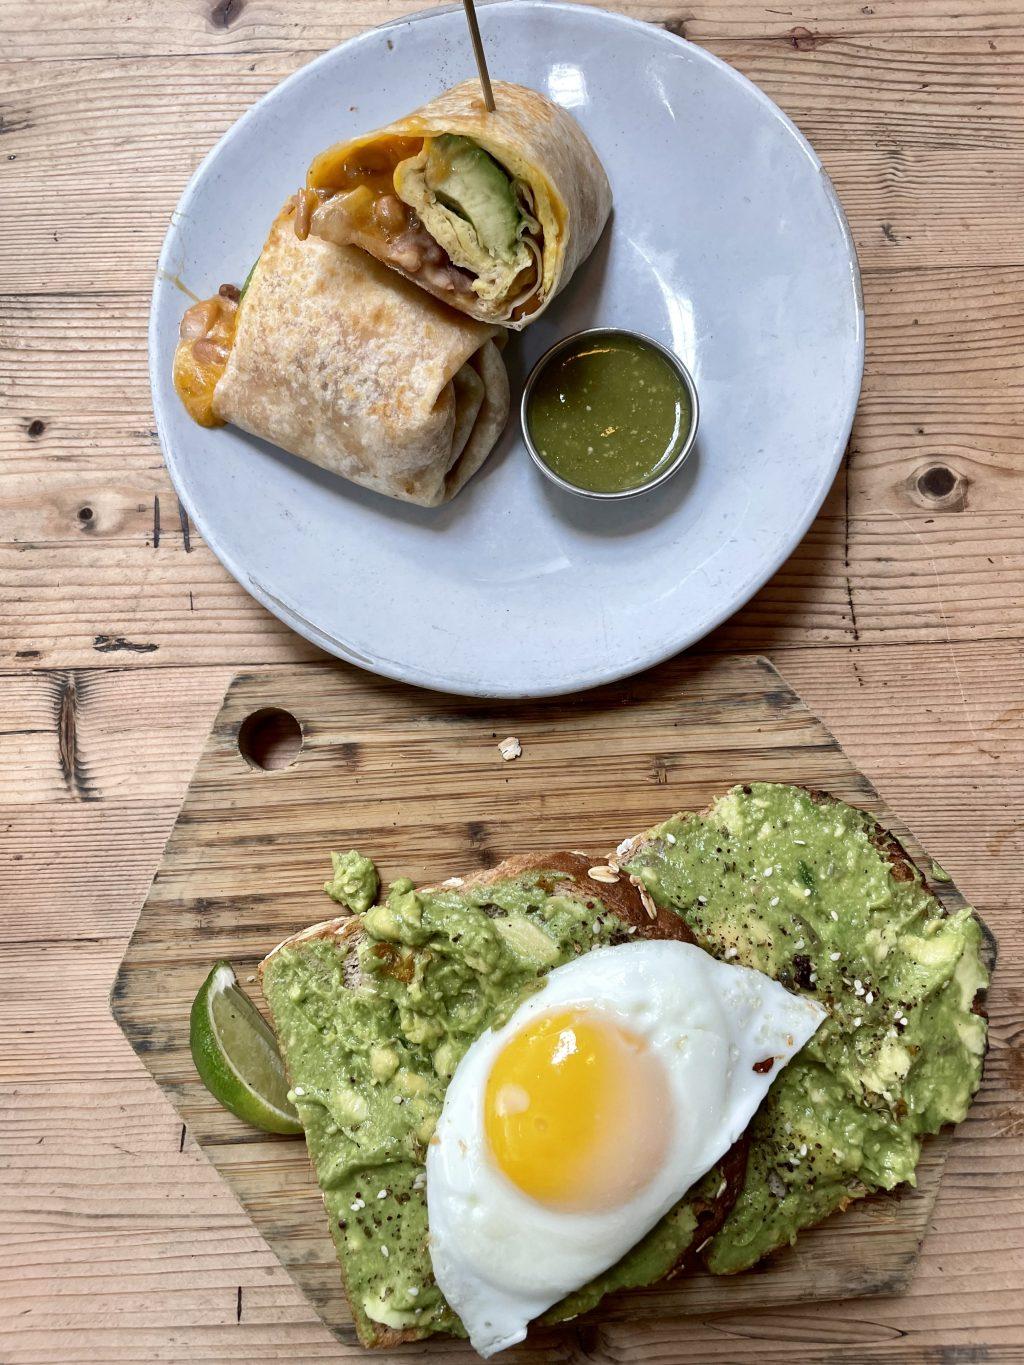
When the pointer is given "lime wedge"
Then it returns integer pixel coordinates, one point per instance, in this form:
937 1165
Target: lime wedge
236 1054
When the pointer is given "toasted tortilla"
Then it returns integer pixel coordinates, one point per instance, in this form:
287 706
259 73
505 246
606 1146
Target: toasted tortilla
337 360
544 151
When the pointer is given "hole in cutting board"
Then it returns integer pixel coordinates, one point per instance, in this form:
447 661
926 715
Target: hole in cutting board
269 739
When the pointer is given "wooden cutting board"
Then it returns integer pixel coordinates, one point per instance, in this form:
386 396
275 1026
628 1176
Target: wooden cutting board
415 780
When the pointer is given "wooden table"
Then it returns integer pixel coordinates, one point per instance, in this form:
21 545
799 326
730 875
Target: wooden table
900 620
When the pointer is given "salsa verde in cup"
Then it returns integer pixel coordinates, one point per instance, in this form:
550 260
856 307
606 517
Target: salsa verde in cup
609 413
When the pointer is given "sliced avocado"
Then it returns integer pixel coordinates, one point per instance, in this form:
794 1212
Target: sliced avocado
466 180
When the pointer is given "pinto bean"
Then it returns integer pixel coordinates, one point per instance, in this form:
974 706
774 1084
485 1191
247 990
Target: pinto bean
199 319
407 252
390 213
209 352
438 277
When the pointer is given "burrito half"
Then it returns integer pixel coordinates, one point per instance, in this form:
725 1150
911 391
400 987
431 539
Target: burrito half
491 212
330 356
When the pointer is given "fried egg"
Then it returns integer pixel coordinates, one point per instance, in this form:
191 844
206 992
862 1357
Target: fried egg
569 1132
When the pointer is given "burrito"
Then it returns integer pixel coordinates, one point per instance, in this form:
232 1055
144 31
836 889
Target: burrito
491 212
332 357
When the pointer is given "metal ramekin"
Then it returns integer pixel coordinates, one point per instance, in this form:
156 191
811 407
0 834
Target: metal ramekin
553 353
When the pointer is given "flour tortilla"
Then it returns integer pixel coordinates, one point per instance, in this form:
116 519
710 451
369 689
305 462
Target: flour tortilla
339 361
540 145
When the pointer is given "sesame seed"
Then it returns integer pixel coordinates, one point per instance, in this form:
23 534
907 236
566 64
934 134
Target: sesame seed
774 901
833 957
413 1291
869 999
732 952
768 871
801 842
857 1022
382 1194
807 891
834 914
670 838
702 900
385 1253
803 1149
799 943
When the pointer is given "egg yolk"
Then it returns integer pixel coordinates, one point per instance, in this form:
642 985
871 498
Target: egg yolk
577 1111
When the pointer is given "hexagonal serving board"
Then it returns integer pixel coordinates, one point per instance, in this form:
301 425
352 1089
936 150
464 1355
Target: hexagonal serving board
415 779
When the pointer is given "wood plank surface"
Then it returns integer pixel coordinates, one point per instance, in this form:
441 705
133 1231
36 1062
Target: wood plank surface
244 865
99 563
899 621
123 1247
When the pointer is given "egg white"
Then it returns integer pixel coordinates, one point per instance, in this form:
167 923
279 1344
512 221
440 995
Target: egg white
501 1258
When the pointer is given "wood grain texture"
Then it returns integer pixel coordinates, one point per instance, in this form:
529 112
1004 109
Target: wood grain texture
243 867
943 390
120 1242
898 620
889 116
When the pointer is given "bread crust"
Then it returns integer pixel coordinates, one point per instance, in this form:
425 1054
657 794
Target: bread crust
623 899
902 868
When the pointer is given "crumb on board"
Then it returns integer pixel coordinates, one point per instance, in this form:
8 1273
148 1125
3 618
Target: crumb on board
510 748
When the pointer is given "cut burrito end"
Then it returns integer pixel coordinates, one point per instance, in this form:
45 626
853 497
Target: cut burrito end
490 212
476 213
328 355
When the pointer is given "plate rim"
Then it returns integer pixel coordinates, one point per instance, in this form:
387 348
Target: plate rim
409 673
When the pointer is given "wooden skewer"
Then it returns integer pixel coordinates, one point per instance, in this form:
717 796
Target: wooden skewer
478 53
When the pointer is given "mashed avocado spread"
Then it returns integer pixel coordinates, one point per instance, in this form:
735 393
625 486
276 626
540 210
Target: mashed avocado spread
373 1020
354 882
808 892
369 1066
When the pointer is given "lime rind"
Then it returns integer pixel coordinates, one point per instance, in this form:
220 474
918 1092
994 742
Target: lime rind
236 1055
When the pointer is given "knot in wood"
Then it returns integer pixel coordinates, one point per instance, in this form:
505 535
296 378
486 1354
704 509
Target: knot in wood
939 488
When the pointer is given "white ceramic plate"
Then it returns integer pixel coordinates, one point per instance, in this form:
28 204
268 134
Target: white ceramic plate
726 243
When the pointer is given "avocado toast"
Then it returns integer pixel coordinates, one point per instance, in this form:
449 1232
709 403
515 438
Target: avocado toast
816 894
373 1013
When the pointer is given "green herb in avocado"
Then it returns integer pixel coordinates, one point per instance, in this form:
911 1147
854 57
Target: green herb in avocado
804 891
804 873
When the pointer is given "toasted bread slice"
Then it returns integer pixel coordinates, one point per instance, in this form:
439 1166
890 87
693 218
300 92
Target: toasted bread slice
790 1185
629 913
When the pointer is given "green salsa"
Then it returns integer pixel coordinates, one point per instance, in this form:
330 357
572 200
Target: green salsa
609 413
